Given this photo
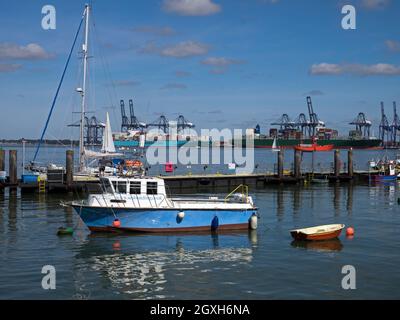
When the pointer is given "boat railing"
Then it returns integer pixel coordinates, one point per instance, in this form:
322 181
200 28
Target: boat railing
244 191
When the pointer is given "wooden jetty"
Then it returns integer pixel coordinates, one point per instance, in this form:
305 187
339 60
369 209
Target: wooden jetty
67 181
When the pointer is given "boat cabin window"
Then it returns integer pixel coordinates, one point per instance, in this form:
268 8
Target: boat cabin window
151 187
135 187
121 187
106 186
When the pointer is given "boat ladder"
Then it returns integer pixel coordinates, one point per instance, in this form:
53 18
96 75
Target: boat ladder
42 185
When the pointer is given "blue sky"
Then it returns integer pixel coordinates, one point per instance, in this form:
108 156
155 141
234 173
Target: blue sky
220 63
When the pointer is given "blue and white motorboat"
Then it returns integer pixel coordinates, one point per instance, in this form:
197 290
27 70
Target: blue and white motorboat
140 204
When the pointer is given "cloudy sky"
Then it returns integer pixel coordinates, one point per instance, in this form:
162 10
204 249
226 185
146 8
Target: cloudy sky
220 63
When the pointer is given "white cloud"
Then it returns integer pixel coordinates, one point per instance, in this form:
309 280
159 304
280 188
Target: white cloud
355 69
192 7
393 45
185 49
9 67
170 86
32 51
220 64
374 4
158 31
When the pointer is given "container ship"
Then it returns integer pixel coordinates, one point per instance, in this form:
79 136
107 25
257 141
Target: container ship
289 134
304 129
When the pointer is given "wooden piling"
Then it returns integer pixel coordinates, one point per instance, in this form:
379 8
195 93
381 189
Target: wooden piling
297 164
2 160
337 163
13 168
69 168
350 165
280 164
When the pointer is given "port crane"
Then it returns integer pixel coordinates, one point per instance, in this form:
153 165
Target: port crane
362 125
302 124
93 131
385 129
183 123
395 124
161 123
135 124
314 121
284 122
125 122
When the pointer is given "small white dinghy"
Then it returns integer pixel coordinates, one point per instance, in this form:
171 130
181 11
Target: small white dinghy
325 232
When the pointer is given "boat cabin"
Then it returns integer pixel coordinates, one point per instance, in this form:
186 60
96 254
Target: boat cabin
133 185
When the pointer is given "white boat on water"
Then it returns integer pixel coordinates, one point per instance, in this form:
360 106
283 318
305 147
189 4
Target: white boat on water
141 204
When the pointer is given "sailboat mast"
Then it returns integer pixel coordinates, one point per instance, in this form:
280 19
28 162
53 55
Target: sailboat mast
83 93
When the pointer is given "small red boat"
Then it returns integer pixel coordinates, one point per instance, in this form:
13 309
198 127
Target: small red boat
313 147
325 232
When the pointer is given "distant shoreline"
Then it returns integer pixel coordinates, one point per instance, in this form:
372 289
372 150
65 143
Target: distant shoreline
33 142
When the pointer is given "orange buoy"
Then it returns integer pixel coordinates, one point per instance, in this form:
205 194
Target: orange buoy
116 223
350 232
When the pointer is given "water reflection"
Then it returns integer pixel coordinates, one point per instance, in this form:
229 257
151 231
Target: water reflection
143 266
321 246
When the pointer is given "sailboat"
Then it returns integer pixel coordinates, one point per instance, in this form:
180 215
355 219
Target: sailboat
107 152
274 146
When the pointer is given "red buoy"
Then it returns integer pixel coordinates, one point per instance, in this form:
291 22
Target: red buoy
116 223
350 232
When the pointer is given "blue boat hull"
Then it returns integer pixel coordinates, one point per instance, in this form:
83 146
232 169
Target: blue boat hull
163 220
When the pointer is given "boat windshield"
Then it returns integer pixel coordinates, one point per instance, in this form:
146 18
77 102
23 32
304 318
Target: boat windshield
106 186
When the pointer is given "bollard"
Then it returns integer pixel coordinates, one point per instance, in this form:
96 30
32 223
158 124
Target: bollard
280 164
13 167
350 165
297 164
337 163
69 168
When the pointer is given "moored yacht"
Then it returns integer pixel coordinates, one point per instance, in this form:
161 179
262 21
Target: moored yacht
141 204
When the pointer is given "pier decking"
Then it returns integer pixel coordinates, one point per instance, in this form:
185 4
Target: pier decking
69 182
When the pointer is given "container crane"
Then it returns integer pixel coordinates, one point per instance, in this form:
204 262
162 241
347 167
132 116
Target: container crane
384 128
284 122
362 125
125 122
395 124
314 121
161 123
183 123
135 124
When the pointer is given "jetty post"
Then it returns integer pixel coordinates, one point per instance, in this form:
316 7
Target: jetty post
13 169
2 159
280 164
350 164
297 164
337 163
69 168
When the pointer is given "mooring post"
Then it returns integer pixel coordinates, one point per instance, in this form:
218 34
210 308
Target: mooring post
69 168
350 165
337 163
297 164
280 164
13 167
2 159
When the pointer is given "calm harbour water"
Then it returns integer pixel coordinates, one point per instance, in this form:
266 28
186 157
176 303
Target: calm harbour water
262 264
